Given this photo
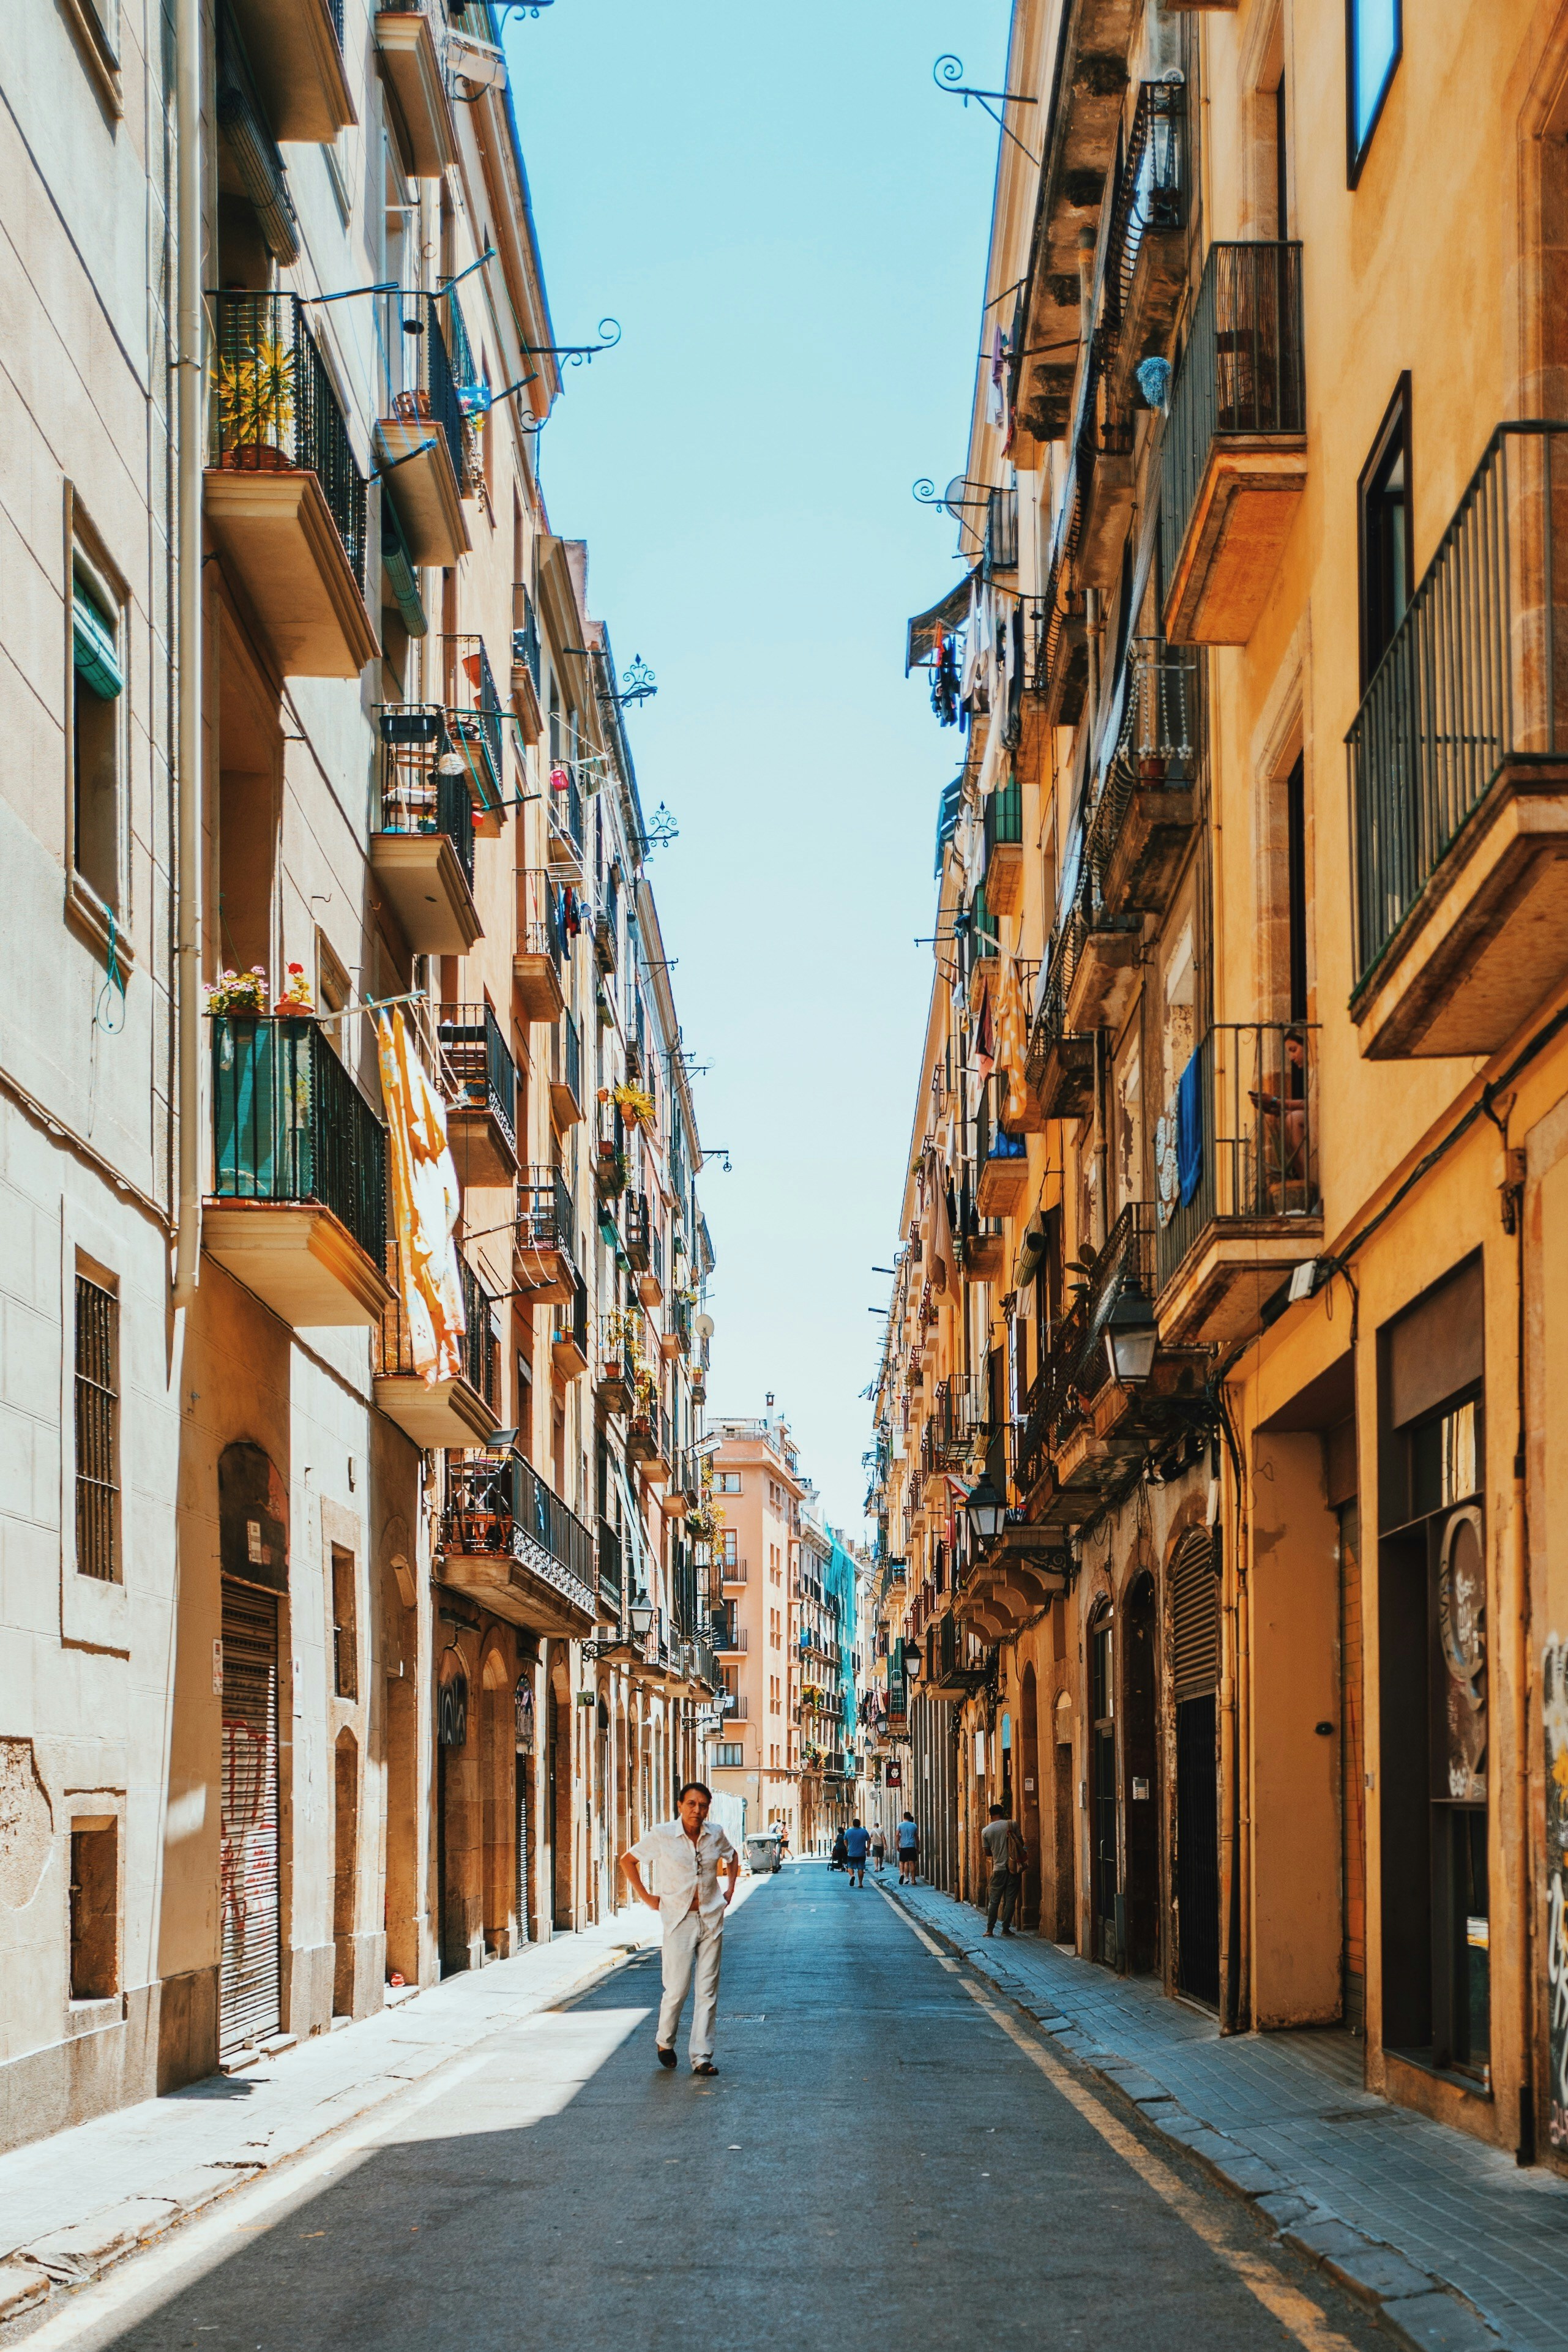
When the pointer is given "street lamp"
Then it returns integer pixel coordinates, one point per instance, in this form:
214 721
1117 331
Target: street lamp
984 1509
913 1662
1131 1337
641 1616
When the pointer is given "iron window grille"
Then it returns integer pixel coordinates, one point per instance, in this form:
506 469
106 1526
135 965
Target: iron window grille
96 1431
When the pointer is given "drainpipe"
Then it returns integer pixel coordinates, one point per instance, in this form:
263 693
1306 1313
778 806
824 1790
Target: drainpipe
188 581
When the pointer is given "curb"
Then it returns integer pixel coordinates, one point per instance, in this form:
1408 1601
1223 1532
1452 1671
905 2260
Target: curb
76 2256
1420 2310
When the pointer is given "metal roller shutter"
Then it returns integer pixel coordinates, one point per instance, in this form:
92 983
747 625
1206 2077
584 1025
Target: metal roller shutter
248 2005
1194 1614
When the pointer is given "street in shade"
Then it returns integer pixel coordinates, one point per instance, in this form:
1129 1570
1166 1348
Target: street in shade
880 2159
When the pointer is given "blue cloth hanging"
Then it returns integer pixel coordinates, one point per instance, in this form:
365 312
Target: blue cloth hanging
1190 1130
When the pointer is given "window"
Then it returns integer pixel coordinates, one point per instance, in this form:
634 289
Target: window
98 733
1296 885
1374 36
775 1704
731 1753
345 1652
728 1482
1383 492
97 1430
95 1910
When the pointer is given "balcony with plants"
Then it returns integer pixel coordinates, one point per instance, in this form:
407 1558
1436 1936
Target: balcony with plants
1140 822
509 1542
648 1441
285 499
410 35
569 1331
456 1410
1233 457
295 51
563 819
544 1255
618 1362
1458 768
480 1078
475 721
1236 1160
421 427
541 948
422 848
296 1208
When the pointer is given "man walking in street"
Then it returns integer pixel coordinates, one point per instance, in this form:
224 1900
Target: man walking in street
858 1843
684 1857
909 1844
1003 1840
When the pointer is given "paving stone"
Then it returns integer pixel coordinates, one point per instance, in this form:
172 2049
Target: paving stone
1286 2207
187 2192
1134 2082
72 2255
21 2285
1439 2323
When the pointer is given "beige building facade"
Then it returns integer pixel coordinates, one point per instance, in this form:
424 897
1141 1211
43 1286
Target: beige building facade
1216 1432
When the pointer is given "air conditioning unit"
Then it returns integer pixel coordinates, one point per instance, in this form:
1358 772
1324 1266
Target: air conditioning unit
478 63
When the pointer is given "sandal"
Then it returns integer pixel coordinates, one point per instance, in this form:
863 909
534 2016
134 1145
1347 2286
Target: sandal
666 2057
705 2067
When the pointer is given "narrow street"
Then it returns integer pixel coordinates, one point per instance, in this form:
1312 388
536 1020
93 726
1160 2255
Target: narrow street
881 2156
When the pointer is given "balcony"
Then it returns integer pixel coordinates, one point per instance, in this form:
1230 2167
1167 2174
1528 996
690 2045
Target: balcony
1141 823
1060 1065
298 1206
1458 762
607 938
421 427
612 1573
1002 1159
733 1571
482 1121
1233 463
411 66
615 1380
284 499
674 1339
295 51
474 724
957 1425
1100 957
1103 462
634 1213
1001 550
650 1284
536 967
1146 242
526 707
1237 1157
511 1543
566 1073
422 852
563 812
1003 825
730 1640
454 1412
545 1253
647 1434
569 1331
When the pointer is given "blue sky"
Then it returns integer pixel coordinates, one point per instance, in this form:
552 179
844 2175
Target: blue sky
789 221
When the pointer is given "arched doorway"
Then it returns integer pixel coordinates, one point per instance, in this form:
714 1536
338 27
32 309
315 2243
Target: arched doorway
1029 1816
1140 1768
497 1813
1105 1881
1194 1629
345 1870
1064 1888
455 1803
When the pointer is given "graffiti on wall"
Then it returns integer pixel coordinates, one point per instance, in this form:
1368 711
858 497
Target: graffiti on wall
1554 1722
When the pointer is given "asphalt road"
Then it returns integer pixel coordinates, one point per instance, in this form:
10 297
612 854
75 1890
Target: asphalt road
886 2157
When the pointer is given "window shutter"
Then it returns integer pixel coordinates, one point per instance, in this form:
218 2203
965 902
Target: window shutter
94 646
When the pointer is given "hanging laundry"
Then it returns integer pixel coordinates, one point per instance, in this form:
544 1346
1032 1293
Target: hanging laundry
998 377
1012 1040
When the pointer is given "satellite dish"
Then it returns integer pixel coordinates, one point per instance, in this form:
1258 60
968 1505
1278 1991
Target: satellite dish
703 1327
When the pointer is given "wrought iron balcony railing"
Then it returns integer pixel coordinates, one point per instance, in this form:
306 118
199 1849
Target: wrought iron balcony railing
274 410
1004 816
1476 676
1075 1366
479 1064
1002 532
290 1125
612 1581
636 1230
1151 190
1242 374
416 371
525 650
502 1506
418 793
396 1349
1239 1137
563 805
474 713
957 1422
545 1217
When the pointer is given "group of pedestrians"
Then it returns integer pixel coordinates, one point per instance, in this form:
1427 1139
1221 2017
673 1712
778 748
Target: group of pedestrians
851 1846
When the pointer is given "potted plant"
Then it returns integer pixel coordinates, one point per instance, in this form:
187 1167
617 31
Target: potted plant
295 1004
256 406
239 992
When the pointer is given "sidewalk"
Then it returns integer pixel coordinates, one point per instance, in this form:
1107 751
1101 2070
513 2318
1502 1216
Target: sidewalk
72 2204
1389 2202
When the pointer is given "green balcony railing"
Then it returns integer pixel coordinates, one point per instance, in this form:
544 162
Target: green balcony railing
289 1124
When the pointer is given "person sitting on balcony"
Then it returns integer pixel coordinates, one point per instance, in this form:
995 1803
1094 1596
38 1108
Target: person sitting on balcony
1290 1106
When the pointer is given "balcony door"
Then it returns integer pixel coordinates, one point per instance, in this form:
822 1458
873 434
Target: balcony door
1105 1875
1194 1610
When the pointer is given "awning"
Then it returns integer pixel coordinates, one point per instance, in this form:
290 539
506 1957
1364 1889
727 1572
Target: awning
949 613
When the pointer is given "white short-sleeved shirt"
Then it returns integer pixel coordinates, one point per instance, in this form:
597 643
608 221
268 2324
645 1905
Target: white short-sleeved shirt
673 1867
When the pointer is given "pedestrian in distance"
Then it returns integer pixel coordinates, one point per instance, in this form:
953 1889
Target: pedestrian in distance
839 1858
685 1857
907 1839
879 1851
1004 1842
856 1845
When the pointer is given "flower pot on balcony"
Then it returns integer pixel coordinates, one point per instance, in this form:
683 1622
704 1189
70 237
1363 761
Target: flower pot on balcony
257 457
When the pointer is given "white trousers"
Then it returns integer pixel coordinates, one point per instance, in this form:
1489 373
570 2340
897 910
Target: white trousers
693 1941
